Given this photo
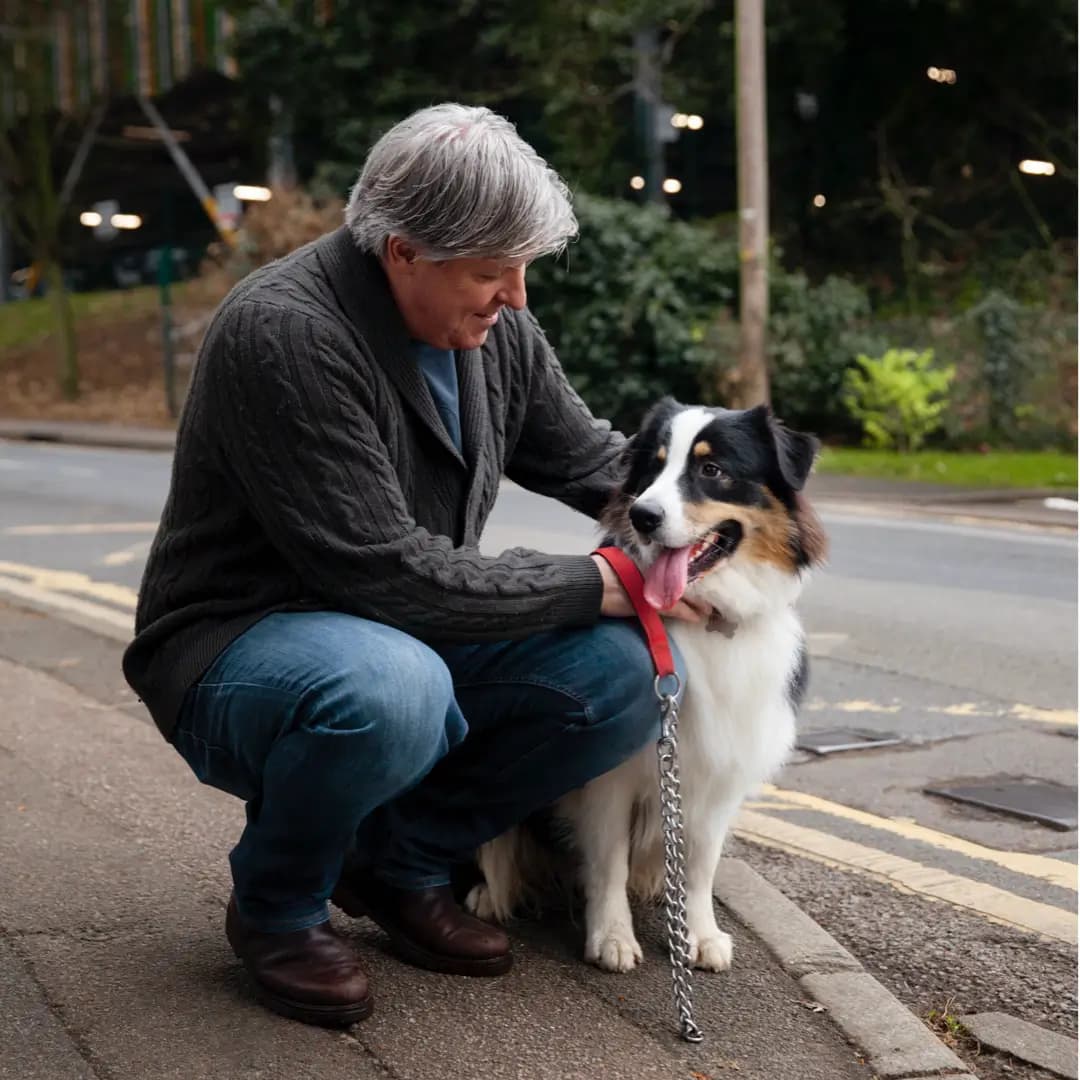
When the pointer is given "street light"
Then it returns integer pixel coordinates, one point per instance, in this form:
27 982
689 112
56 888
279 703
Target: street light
819 201
1036 168
125 221
672 186
941 75
90 218
695 122
252 193
637 182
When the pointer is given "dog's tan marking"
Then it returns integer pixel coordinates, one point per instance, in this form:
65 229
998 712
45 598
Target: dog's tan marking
768 532
661 454
702 449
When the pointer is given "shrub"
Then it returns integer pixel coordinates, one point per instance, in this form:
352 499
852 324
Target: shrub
815 334
899 397
630 306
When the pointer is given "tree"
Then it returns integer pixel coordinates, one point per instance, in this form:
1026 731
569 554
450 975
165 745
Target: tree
31 130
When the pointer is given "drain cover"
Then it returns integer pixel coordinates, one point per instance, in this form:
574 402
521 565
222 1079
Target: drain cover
1035 800
836 740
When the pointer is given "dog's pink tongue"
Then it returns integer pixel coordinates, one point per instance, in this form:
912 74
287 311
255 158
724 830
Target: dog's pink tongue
665 580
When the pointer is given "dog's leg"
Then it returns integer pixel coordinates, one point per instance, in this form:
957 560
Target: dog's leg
603 833
710 947
504 885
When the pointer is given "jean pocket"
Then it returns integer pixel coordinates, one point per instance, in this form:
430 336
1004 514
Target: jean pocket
213 765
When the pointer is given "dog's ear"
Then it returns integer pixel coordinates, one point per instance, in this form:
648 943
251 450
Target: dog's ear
794 451
812 542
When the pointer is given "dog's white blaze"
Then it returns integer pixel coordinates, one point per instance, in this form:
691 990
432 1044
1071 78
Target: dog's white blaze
664 492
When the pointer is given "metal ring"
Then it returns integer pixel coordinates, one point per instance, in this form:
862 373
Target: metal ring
660 693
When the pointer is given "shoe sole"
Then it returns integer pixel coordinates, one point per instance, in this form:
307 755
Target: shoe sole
420 957
332 1016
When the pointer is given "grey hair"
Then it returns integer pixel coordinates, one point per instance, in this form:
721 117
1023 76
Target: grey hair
457 181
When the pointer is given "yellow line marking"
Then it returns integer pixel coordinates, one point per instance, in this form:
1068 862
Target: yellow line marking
1062 717
71 605
126 555
1058 717
83 529
1040 867
911 876
71 581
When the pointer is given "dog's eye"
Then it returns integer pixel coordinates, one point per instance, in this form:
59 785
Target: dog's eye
711 471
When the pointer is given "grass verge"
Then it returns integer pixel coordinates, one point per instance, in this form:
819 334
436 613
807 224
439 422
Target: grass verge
996 469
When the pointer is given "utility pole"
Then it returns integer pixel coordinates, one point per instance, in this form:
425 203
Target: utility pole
647 100
753 183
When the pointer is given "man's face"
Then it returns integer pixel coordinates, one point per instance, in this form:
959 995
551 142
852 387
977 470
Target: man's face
454 304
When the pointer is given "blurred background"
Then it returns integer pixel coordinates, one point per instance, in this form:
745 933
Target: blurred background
916 159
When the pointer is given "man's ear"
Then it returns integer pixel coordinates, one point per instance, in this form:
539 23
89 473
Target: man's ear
795 451
399 252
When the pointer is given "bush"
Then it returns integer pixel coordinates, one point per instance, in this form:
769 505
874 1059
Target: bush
899 398
630 306
644 306
815 334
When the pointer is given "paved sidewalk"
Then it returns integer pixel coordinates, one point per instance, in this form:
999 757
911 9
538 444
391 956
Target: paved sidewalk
115 967
1006 505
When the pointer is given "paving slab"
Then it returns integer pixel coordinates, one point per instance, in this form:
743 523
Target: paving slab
33 1041
1027 1041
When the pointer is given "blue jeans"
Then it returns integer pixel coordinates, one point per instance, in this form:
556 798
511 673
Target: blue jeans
345 736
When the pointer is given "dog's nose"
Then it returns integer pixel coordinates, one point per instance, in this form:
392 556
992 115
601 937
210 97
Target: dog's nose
646 517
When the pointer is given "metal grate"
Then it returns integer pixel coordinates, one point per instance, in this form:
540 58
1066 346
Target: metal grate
1034 800
837 740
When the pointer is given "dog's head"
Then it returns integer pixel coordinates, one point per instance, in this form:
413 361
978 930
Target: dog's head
711 503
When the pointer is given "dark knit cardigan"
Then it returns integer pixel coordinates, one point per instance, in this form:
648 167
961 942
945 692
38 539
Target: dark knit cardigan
313 472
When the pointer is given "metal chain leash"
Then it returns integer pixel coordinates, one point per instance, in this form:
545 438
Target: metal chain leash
667 751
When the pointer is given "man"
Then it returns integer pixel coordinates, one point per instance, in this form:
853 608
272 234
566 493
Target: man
317 632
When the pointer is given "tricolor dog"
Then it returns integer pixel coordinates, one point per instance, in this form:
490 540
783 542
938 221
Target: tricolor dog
710 508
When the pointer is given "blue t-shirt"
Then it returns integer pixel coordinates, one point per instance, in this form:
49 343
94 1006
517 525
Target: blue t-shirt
440 370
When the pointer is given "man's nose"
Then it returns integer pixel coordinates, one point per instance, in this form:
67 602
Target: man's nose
646 517
512 293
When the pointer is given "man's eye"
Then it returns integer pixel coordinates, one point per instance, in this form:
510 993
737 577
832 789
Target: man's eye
711 471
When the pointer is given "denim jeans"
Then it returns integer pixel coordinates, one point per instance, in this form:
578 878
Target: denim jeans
345 736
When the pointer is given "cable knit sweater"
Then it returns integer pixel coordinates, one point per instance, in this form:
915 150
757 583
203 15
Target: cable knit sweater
312 471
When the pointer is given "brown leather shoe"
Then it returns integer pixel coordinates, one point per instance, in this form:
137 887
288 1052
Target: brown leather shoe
426 926
310 975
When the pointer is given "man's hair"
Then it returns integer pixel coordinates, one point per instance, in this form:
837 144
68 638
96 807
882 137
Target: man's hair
457 181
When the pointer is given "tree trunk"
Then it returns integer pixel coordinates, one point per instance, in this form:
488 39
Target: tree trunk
64 321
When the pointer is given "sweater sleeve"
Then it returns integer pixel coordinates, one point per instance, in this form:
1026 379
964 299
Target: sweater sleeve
562 451
299 440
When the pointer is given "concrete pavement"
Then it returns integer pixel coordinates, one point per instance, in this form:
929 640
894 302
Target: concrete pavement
113 863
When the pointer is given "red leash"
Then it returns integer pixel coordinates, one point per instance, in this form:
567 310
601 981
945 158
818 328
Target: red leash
648 616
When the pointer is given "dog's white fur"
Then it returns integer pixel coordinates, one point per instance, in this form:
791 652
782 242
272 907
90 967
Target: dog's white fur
736 728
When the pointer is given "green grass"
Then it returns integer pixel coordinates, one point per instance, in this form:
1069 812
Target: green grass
26 322
1000 469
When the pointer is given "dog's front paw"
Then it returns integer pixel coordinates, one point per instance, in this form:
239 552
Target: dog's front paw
614 949
711 953
479 902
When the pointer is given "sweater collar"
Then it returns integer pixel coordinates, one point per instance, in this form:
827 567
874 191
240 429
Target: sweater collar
361 288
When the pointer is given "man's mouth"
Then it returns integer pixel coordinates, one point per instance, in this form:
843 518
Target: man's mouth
675 568
489 320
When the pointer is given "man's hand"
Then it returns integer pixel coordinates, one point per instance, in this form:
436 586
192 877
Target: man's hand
616 603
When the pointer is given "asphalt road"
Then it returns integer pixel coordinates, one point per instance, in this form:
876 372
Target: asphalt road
960 640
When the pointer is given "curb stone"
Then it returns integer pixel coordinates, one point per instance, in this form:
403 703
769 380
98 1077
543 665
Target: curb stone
1026 1041
895 1041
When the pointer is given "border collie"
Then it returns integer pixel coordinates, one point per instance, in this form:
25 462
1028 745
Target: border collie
711 508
